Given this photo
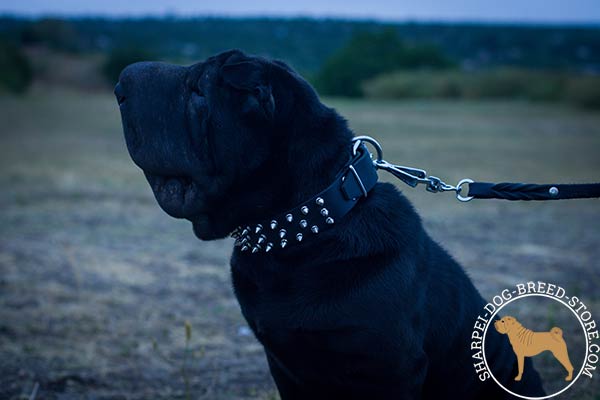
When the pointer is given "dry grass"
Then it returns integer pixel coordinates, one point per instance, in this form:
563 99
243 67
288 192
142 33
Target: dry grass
92 273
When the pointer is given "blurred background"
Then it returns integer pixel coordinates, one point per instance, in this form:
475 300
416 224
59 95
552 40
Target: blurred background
103 296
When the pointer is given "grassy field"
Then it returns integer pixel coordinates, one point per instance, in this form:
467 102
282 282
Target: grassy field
96 283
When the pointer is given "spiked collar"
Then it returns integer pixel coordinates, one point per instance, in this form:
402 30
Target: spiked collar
315 215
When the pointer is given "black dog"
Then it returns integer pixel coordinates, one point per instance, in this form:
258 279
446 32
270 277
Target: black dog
366 306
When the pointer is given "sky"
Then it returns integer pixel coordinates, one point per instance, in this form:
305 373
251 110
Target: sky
533 11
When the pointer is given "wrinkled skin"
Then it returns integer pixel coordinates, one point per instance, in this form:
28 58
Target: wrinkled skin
204 165
371 308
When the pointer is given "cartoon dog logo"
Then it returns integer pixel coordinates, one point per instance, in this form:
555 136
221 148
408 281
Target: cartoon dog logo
526 343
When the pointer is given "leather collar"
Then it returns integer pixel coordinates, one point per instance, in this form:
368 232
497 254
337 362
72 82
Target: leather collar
315 215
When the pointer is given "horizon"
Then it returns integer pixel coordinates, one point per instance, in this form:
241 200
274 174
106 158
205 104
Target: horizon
342 18
532 12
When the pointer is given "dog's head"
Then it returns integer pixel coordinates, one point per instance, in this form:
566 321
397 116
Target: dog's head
227 140
506 324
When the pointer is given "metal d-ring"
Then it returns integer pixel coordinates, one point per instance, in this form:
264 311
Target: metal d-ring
459 189
357 140
410 176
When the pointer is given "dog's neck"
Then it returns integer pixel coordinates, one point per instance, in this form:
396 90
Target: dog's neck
316 213
324 179
319 140
330 149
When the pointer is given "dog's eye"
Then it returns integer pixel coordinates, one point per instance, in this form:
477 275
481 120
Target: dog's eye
198 99
198 91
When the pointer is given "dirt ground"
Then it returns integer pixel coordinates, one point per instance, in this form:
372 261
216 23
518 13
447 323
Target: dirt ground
97 284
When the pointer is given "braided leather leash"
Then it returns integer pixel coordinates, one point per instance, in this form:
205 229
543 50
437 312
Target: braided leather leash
482 190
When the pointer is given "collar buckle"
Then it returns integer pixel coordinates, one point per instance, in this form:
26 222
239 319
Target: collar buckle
309 218
346 188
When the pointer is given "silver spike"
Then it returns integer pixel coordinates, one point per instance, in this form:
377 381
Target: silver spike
329 220
261 239
299 237
314 229
246 231
324 212
268 247
256 249
282 233
289 217
320 202
283 243
245 247
303 223
273 224
304 210
244 240
258 228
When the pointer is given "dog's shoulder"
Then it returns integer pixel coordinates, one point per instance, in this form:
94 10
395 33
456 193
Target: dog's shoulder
385 222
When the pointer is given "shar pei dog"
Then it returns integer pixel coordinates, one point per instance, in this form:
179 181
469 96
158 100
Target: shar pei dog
527 343
334 272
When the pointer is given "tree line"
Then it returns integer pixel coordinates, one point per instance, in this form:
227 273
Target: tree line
341 57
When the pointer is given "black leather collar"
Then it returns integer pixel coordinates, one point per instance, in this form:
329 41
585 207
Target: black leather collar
315 215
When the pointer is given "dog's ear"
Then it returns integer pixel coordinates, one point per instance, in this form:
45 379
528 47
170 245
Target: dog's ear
250 76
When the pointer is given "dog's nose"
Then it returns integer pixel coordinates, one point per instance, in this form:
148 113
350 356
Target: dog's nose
119 93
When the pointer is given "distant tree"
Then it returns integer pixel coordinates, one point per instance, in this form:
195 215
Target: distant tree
584 92
368 54
119 58
54 33
15 70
